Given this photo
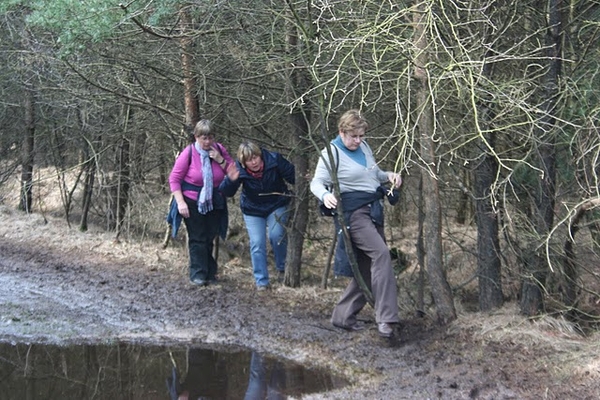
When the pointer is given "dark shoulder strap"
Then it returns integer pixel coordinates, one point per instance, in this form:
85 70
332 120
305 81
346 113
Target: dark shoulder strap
191 152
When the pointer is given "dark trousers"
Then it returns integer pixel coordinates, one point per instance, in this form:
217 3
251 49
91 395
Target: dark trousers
202 231
375 265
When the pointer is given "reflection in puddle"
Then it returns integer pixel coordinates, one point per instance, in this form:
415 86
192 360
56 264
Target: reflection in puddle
128 371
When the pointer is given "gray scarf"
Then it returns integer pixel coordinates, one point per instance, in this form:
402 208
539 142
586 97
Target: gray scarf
205 198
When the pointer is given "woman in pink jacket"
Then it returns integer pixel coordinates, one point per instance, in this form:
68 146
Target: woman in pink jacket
194 180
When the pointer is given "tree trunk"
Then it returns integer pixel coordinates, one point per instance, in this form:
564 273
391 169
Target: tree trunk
488 244
123 173
123 183
299 221
27 151
299 118
421 254
442 293
190 96
88 189
89 161
535 266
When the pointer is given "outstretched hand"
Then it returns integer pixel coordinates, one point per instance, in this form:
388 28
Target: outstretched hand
233 173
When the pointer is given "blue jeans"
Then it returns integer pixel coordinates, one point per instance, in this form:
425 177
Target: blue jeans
257 228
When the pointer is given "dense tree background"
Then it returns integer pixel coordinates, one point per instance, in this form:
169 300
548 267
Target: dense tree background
492 104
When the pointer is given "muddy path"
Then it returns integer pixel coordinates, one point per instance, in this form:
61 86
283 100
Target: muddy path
51 292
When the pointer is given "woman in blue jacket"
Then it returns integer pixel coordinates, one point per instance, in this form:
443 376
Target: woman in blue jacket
264 203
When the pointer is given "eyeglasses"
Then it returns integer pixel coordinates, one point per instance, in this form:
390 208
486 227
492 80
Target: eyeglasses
354 136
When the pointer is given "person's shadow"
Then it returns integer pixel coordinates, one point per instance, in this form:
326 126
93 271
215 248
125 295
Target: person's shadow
205 370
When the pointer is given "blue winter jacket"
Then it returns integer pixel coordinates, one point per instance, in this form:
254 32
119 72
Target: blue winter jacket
260 197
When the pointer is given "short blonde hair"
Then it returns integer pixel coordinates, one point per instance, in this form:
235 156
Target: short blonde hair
352 120
204 127
246 151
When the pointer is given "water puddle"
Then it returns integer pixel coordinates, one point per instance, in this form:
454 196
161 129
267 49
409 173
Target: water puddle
130 371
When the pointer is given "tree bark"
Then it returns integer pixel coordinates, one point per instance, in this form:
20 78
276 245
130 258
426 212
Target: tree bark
299 221
488 244
421 253
89 180
535 268
299 119
27 151
123 185
88 189
190 95
120 192
442 293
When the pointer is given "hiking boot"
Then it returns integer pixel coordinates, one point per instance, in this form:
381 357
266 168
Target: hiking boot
263 288
280 276
385 330
199 282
